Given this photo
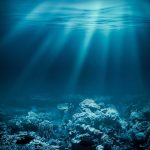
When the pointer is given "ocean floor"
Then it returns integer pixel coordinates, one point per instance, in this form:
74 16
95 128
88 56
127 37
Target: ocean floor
91 124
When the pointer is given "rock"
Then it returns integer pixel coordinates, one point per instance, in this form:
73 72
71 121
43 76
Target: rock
83 142
140 137
115 147
112 114
108 117
123 124
87 117
66 110
91 130
90 104
125 137
146 113
107 141
100 147
136 116
64 106
45 129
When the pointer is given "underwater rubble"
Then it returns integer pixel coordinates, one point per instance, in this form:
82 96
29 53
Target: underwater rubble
92 125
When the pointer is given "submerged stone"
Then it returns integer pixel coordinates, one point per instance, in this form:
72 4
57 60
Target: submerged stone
140 137
64 106
89 103
100 147
136 116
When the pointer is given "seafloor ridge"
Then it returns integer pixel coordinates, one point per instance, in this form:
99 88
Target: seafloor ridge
91 125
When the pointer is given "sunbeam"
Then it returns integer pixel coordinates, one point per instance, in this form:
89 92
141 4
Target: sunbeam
19 27
83 50
104 52
54 24
45 48
33 18
133 56
61 41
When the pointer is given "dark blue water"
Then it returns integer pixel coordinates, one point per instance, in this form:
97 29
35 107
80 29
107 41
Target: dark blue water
84 48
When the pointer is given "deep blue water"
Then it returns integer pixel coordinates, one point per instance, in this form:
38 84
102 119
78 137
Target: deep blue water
53 48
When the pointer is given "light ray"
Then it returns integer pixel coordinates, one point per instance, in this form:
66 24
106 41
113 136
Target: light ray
29 68
44 49
104 55
133 54
19 27
83 51
30 18
60 42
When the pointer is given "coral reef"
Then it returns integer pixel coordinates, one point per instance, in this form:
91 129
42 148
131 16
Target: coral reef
92 125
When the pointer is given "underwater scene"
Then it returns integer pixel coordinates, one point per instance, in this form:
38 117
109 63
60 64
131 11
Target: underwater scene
75 75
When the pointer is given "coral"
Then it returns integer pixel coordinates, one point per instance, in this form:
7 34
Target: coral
134 116
64 106
89 103
45 129
90 126
100 147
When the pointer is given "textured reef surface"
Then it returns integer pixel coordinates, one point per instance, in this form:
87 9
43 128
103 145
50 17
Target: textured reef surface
89 125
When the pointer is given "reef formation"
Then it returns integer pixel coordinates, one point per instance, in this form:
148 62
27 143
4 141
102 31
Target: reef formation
91 125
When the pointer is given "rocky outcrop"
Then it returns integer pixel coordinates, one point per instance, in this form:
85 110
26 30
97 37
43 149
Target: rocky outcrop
92 125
